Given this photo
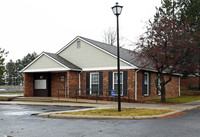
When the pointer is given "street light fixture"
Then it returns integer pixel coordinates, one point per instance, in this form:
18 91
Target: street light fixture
117 11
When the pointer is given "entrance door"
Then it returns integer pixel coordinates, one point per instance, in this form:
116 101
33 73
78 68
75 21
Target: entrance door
42 85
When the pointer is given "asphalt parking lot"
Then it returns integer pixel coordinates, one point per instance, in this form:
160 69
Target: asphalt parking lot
17 121
22 110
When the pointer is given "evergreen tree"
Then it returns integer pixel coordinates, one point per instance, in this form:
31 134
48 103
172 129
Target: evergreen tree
13 74
3 54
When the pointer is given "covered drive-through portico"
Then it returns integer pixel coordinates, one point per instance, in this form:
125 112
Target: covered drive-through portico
48 73
47 84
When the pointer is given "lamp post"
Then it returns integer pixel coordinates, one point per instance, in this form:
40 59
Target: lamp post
117 11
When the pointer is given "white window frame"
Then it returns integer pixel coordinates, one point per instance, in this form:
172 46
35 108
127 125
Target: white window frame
93 83
147 83
159 92
117 83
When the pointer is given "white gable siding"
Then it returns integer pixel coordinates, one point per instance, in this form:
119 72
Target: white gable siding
87 56
44 63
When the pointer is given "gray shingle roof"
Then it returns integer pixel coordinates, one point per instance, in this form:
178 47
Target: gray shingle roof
63 61
125 54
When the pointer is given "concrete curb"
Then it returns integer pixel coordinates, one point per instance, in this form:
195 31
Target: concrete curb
65 116
7 98
88 106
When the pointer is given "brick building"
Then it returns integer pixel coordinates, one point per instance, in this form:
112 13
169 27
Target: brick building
85 67
190 82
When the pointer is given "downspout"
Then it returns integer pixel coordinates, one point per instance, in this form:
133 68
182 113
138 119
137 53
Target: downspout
136 83
179 84
79 83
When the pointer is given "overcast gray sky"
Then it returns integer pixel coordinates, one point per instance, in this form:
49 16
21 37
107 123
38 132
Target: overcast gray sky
48 25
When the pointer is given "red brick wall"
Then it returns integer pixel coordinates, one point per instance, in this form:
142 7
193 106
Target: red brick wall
28 85
172 88
130 81
73 79
73 82
56 83
189 81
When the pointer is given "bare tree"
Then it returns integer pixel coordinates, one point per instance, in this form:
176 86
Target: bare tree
110 36
166 45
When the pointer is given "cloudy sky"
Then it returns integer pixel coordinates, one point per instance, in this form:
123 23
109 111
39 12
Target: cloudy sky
48 25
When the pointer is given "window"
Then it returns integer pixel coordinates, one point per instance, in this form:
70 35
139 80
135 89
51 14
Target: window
115 82
78 44
158 86
94 84
40 84
146 83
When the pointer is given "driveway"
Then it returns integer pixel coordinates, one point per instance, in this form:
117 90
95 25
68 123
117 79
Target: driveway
15 120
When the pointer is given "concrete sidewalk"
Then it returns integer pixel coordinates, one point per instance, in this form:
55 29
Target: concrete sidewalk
92 104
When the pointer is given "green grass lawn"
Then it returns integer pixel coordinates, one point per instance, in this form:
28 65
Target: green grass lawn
3 97
190 93
12 93
124 112
186 96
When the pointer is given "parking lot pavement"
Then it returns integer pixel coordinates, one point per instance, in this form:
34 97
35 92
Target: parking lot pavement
20 110
16 121
101 105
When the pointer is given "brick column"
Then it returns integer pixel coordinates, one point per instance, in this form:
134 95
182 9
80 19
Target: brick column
28 85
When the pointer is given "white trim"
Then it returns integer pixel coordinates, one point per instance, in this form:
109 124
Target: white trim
158 85
108 53
113 82
61 63
57 61
79 84
179 87
91 82
136 83
78 37
193 75
43 53
66 85
32 62
151 70
107 68
147 83
46 70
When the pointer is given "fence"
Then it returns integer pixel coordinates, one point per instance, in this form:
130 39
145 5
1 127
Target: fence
95 95
6 88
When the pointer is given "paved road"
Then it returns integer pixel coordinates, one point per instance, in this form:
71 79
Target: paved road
15 120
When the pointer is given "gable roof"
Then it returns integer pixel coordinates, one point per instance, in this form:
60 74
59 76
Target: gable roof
58 59
126 55
63 61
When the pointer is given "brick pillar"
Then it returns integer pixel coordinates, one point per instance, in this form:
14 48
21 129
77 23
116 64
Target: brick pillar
28 85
